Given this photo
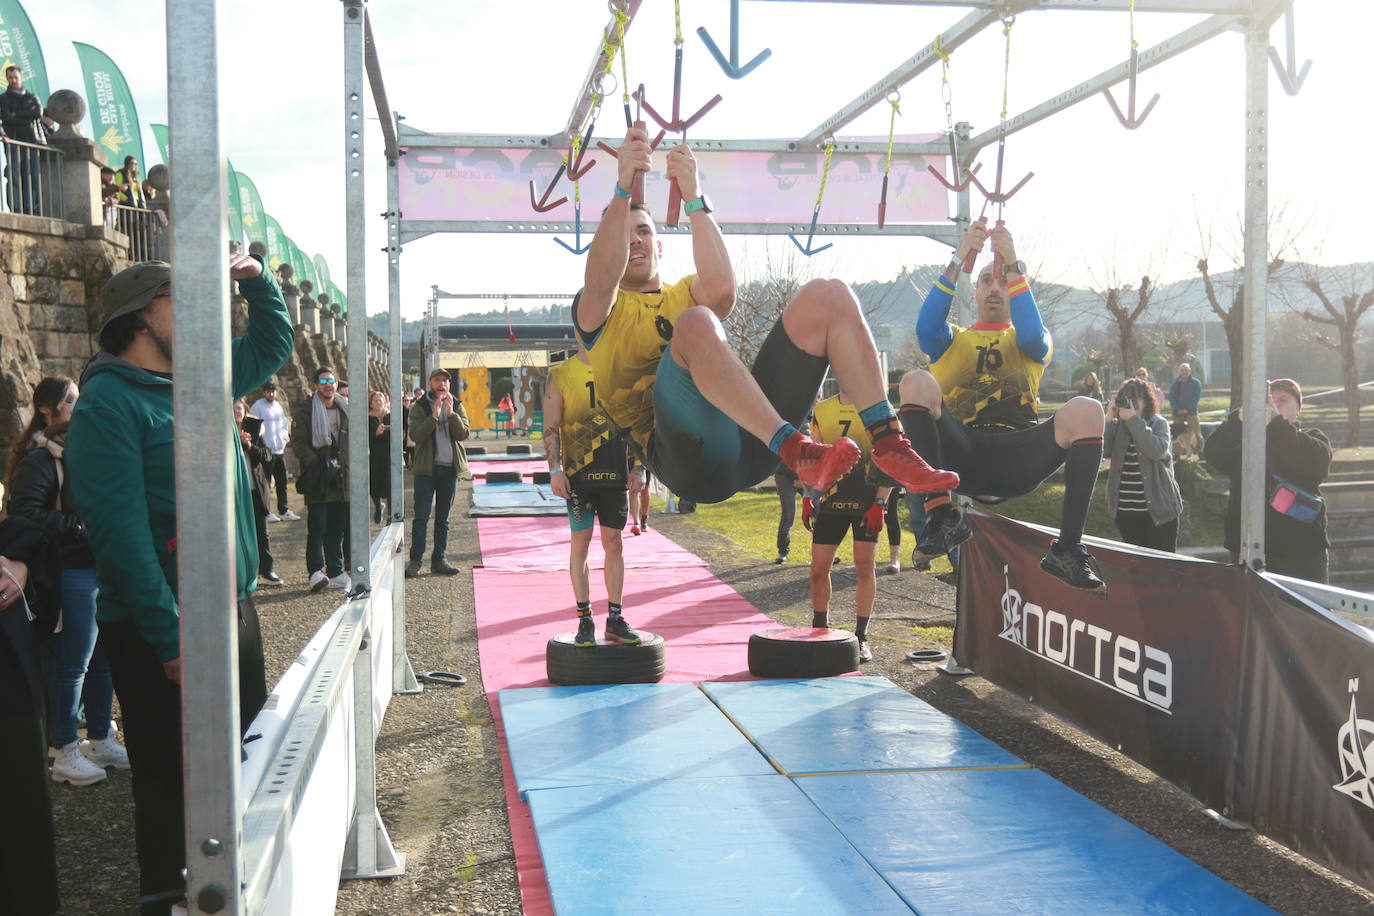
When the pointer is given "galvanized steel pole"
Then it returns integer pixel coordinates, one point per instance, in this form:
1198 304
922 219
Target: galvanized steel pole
1255 301
355 238
205 461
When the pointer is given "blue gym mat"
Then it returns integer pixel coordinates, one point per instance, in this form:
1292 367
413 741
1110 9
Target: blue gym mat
623 733
490 499
1012 841
701 847
851 724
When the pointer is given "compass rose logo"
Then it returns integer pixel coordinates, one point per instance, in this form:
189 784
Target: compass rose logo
1011 612
1356 744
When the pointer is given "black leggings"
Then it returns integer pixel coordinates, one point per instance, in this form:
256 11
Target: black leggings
894 530
1139 529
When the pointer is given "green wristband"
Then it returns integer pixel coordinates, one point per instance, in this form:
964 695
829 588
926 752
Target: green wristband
621 192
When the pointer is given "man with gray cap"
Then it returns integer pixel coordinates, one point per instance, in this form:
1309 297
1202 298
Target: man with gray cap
437 424
276 432
120 457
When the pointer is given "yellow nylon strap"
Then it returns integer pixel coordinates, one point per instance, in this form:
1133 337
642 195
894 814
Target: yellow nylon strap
944 60
891 130
677 19
829 148
621 20
569 160
1006 64
1134 43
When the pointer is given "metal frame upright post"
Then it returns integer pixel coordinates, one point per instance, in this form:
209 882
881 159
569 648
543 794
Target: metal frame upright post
1255 302
205 463
402 674
355 235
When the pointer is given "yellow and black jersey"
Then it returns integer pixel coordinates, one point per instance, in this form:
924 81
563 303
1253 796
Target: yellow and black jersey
852 494
593 452
988 380
626 349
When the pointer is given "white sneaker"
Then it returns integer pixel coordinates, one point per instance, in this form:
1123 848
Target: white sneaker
106 752
341 581
894 567
289 516
273 517
318 580
72 766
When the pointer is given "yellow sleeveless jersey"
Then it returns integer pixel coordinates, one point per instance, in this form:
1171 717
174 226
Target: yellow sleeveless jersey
593 454
626 351
852 494
988 380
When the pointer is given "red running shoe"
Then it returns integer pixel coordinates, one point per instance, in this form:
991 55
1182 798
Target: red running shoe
895 457
817 464
634 529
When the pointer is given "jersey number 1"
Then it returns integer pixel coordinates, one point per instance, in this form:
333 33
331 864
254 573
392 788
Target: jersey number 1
591 394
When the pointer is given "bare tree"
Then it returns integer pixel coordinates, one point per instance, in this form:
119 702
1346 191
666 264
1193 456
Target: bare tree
1126 304
1229 303
760 299
1355 292
1097 350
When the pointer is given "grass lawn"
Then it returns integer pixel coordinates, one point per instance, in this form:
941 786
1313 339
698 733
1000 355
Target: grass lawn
750 520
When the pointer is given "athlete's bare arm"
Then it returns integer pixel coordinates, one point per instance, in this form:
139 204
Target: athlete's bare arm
553 443
714 284
610 250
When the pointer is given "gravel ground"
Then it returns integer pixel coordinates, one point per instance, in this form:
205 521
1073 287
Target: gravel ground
439 770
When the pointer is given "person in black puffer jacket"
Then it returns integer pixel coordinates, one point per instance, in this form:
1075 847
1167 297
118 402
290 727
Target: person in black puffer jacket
1301 457
40 491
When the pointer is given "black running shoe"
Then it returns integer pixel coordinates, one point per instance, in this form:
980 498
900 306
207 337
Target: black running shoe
586 632
617 630
1075 567
945 530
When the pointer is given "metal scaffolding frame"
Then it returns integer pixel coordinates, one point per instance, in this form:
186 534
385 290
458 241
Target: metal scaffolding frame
217 879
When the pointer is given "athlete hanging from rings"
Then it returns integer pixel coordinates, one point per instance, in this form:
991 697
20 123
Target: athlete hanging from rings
664 373
975 410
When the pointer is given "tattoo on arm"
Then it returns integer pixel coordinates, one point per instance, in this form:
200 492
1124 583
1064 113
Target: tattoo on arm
553 448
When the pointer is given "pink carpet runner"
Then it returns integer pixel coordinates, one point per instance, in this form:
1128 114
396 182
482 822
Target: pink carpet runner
524 599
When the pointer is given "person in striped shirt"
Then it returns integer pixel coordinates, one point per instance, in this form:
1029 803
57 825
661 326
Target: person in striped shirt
1142 494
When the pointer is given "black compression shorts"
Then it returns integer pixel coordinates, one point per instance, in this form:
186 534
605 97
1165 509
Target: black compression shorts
993 461
604 504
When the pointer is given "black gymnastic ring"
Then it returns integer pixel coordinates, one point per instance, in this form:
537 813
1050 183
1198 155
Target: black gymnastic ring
442 679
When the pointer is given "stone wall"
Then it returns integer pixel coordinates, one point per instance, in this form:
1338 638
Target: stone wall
50 271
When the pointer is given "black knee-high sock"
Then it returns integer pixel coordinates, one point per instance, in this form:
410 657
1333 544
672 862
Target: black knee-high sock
1080 474
861 627
919 426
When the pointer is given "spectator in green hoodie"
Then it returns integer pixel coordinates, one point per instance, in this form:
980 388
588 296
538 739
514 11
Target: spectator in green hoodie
120 457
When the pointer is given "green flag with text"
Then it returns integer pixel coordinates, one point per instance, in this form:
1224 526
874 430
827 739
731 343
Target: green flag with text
19 46
160 135
114 119
276 243
250 208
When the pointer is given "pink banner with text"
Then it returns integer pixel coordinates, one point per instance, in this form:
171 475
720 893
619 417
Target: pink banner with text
487 184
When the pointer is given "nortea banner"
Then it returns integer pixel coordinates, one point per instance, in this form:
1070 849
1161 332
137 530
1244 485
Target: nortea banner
1215 677
472 184
19 46
1305 740
114 119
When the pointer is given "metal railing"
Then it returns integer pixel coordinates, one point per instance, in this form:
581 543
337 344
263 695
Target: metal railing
145 229
33 179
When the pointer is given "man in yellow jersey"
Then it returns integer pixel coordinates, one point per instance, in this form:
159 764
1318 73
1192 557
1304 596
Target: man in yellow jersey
853 504
666 376
587 467
975 410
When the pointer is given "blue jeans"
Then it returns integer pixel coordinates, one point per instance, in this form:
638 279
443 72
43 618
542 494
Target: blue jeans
82 673
437 488
325 527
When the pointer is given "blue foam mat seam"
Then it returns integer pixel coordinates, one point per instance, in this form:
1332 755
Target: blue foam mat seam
742 730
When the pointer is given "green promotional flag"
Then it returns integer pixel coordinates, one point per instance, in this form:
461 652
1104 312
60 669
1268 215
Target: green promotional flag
235 207
304 269
250 208
336 295
19 46
114 120
321 272
276 243
160 135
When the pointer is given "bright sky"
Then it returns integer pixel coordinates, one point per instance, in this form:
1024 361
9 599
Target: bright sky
1100 195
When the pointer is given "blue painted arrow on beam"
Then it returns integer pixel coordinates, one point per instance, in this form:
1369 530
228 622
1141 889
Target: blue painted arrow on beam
731 66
